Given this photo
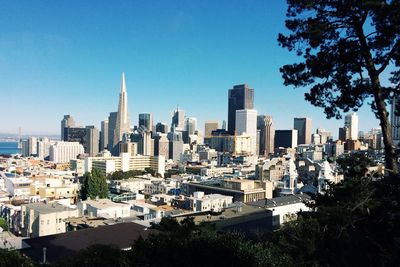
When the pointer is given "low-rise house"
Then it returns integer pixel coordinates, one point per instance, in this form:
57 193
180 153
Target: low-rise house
40 219
103 208
213 202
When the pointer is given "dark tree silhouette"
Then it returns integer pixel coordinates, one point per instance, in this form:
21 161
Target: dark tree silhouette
348 46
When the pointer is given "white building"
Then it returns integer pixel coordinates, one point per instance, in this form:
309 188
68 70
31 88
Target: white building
18 186
246 122
43 148
40 219
104 208
125 162
351 122
327 175
213 202
215 171
62 152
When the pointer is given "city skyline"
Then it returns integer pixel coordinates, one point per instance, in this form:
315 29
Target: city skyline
177 59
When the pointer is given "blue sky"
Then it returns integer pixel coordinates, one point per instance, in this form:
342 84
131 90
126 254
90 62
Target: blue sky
66 57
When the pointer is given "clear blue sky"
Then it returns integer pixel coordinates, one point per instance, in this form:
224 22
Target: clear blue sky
66 57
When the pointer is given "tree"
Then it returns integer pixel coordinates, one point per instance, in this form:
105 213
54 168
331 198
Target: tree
12 258
355 165
348 46
94 185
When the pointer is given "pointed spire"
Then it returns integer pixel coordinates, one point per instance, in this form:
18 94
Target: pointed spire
123 86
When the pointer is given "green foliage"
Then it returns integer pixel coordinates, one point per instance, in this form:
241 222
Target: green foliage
355 165
99 256
11 258
346 47
3 224
94 185
187 244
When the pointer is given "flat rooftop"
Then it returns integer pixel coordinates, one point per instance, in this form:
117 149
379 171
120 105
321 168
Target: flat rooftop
46 208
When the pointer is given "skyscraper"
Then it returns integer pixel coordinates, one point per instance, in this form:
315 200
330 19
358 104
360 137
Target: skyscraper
161 128
146 120
178 119
351 122
210 126
239 97
190 125
104 135
122 124
304 129
92 141
267 134
66 122
246 123
286 138
112 122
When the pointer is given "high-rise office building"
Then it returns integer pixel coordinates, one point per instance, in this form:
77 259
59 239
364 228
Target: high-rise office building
239 97
122 124
395 121
66 122
267 134
286 138
190 125
344 133
162 128
304 130
210 126
161 145
246 123
92 141
178 119
104 135
224 125
75 134
112 122
351 122
146 120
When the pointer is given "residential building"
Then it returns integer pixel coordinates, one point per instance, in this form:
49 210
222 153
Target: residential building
104 208
62 152
212 202
41 219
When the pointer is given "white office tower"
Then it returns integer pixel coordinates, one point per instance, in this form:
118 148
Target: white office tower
122 123
43 148
62 152
351 122
190 125
246 123
395 121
